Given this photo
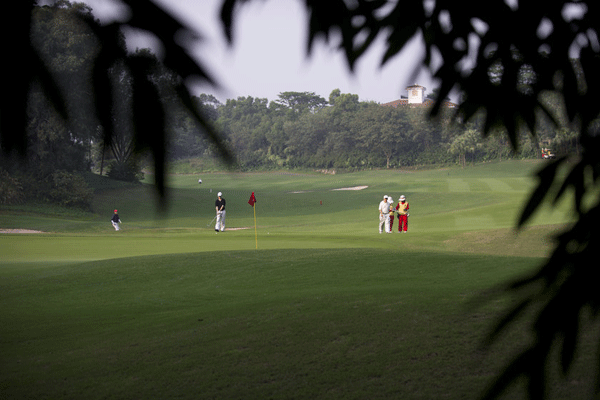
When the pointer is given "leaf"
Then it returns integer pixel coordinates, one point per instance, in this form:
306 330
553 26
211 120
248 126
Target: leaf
511 373
571 327
546 179
507 319
227 18
150 17
25 68
576 180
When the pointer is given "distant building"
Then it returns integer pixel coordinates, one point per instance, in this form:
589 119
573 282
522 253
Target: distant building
416 94
416 97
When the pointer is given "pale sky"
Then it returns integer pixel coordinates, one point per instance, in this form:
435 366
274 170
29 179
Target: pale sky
269 54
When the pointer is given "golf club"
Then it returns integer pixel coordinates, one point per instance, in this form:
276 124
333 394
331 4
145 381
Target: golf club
210 223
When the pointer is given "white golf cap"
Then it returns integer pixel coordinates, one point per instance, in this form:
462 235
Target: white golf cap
219 194
385 196
402 197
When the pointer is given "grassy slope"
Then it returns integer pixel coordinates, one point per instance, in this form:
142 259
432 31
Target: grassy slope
200 315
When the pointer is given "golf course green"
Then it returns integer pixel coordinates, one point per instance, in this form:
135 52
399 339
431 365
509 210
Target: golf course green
299 298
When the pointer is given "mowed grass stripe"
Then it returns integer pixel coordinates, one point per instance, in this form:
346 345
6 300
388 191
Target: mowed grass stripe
499 185
465 222
458 185
488 184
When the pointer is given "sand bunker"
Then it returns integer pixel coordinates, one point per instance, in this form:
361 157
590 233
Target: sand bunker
346 188
19 231
353 188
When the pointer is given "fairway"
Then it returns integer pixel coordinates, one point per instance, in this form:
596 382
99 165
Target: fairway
308 302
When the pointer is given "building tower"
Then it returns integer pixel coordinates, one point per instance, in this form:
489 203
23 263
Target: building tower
416 94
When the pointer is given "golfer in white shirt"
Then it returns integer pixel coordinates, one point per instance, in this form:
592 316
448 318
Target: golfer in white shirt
384 215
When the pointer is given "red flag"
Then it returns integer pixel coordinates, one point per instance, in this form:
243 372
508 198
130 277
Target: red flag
252 200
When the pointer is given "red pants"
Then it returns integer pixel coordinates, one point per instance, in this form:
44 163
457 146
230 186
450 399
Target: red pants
391 222
402 223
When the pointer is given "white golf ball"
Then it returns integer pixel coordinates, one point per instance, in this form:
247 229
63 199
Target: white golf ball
199 181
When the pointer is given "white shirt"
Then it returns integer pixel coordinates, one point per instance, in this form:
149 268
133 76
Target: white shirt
384 207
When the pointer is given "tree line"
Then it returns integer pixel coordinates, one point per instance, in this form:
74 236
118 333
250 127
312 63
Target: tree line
65 138
303 130
296 130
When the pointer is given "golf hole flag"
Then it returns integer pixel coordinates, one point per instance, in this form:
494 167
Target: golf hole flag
252 201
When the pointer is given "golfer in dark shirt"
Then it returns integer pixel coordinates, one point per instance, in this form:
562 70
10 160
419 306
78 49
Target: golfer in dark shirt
220 208
115 220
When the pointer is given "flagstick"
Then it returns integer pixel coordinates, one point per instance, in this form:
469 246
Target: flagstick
255 234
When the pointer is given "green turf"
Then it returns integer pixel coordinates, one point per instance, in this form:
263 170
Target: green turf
325 307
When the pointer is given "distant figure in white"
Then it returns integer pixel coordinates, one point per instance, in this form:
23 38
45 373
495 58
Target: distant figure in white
220 207
115 221
384 215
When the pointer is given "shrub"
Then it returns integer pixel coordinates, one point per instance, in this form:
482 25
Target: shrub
128 171
11 189
69 189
